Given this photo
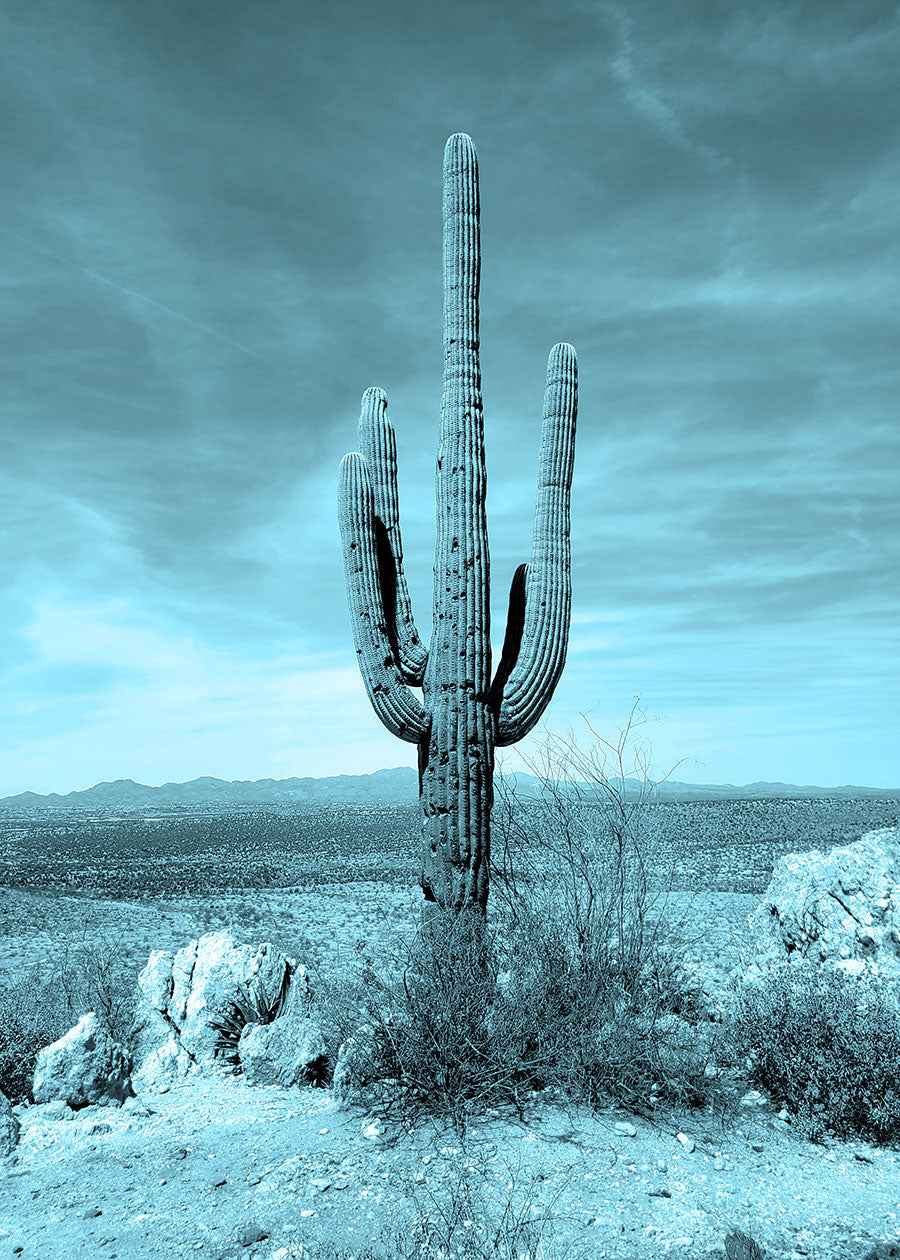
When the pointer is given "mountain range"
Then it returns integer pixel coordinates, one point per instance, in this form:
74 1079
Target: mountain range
385 787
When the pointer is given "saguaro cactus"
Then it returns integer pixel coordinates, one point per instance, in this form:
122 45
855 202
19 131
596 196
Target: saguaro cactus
462 716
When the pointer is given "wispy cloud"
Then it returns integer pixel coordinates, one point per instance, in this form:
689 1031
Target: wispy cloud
218 228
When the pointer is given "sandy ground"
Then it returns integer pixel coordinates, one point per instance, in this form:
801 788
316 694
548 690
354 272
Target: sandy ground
222 1169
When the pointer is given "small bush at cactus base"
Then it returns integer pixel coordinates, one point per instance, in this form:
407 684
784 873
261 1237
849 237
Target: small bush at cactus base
478 1022
828 1046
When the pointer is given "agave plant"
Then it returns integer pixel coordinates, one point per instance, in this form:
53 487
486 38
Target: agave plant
252 1005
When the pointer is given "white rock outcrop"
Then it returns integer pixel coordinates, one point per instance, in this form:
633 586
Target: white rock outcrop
183 995
83 1067
839 909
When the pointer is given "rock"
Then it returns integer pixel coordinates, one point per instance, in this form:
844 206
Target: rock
59 1109
356 1065
839 909
740 1246
707 988
626 1128
85 1066
753 1098
136 1107
251 1234
289 1051
9 1127
211 981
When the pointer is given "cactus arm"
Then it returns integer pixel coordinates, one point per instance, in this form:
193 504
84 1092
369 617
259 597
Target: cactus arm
395 704
521 698
379 448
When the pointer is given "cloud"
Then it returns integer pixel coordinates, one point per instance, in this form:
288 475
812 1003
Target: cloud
702 202
158 697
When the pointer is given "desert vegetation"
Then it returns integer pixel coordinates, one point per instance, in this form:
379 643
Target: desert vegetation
576 989
729 845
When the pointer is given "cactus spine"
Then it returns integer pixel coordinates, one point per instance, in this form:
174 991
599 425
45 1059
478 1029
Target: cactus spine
462 716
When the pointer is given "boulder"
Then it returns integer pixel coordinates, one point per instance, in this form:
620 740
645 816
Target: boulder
9 1127
354 1067
350 1076
194 1005
288 1051
839 909
85 1066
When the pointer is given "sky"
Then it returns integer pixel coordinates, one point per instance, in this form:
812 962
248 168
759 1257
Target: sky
221 223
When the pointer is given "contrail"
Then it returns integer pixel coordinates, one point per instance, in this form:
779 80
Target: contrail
141 297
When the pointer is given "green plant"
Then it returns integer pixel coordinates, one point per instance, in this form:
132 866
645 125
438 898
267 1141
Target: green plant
253 1005
825 1044
463 716
601 1032
433 1047
480 1021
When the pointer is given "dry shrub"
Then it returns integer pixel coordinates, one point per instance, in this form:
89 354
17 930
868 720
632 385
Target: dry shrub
827 1045
33 1014
571 986
462 1207
91 974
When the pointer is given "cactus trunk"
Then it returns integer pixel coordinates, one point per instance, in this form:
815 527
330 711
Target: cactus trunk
456 765
463 716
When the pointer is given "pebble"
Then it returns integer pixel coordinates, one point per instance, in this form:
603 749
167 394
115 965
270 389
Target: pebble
626 1128
251 1234
686 1142
753 1098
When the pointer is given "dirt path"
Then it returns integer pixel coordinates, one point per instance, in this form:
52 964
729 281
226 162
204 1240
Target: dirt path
224 1170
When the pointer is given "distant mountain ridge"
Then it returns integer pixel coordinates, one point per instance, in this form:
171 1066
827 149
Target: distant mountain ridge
397 786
